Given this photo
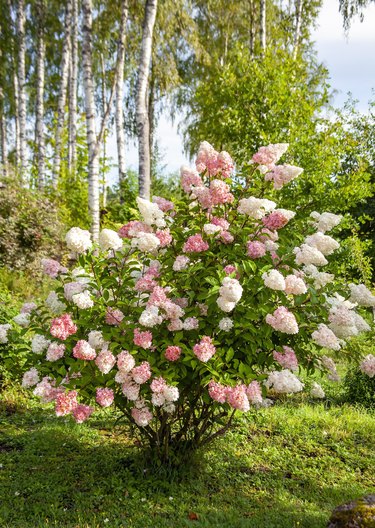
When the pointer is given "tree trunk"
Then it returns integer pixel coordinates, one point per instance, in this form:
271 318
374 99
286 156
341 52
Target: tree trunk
143 125
21 78
263 17
151 120
104 158
16 120
3 136
39 110
64 72
297 31
73 80
120 128
93 168
252 28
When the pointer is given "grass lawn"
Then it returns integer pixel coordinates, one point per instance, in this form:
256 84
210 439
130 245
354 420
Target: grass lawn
286 466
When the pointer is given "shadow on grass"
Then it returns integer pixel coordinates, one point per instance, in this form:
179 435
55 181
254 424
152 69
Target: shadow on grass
55 473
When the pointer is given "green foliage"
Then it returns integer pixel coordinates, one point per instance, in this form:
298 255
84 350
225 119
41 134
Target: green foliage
360 388
29 227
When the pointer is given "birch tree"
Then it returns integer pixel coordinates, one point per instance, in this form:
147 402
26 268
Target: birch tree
142 118
119 116
88 83
39 104
297 31
263 20
62 92
73 80
21 80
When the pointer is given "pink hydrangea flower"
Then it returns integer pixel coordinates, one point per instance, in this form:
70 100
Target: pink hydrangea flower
204 350
131 389
256 249
142 339
163 204
165 237
105 361
113 316
52 267
104 397
55 352
221 222
254 392
82 412
175 325
142 416
203 195
190 179
237 398
172 353
283 174
62 327
84 351
195 244
225 164
220 193
286 359
207 158
46 390
274 221
368 366
226 237
158 297
158 385
65 403
28 307
217 391
145 283
283 320
191 323
133 229
125 361
269 155
142 373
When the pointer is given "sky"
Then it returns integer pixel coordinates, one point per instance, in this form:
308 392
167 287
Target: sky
348 58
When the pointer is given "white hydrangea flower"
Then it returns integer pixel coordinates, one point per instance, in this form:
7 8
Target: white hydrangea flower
157 399
54 304
170 393
231 290
317 391
321 279
283 382
211 229
324 337
22 319
39 343
255 207
368 366
306 254
4 333
274 279
78 240
96 340
83 300
151 213
146 242
169 407
109 239
294 285
326 221
225 305
361 295
72 288
324 243
30 378
150 317
225 324
81 275
287 213
181 263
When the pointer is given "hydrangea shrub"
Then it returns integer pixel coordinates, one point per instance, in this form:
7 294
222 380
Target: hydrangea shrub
196 310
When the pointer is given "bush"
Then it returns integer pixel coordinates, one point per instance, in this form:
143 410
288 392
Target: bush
233 305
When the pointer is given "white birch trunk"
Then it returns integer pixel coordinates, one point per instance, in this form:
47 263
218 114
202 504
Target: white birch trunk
263 21
21 77
143 125
62 92
120 127
3 136
39 110
73 80
93 168
16 121
297 31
